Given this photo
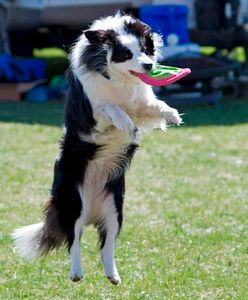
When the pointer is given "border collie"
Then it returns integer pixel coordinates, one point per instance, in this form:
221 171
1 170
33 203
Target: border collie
106 109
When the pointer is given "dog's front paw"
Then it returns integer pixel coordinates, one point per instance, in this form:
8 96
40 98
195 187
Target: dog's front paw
172 116
114 115
124 123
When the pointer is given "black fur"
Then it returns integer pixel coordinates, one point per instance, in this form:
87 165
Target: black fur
78 110
65 204
143 32
69 172
116 186
75 154
94 55
99 37
102 234
121 53
149 48
94 58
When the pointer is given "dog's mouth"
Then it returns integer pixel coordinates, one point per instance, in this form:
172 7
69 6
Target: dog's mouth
133 73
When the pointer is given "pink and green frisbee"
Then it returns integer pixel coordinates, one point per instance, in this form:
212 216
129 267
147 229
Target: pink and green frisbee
163 75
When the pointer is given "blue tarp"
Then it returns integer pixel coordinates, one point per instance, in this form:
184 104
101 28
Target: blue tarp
21 70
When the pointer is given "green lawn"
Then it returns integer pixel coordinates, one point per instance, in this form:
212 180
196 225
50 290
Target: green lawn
185 234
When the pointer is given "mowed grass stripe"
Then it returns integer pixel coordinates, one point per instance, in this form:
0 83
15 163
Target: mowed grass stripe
185 234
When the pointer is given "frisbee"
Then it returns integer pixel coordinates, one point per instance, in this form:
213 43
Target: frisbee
163 75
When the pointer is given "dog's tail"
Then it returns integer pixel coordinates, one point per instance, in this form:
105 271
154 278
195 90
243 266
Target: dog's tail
27 241
33 241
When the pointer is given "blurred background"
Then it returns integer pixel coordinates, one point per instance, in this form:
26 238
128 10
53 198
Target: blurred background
186 228
208 36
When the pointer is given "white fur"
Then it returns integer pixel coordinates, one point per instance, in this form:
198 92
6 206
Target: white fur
124 90
107 254
119 105
98 206
93 193
76 272
25 241
139 58
112 115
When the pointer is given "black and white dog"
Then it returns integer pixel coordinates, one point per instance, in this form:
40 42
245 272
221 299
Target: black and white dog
107 107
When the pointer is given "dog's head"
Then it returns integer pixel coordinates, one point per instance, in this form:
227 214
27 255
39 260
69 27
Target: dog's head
118 44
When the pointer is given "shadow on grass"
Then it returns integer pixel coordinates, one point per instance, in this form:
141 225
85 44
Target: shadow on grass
49 113
229 112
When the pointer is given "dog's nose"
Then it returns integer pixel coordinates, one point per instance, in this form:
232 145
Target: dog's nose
147 67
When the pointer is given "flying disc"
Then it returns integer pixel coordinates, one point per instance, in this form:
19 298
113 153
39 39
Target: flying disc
163 75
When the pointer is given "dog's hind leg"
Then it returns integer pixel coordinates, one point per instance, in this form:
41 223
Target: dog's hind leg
76 272
110 227
108 233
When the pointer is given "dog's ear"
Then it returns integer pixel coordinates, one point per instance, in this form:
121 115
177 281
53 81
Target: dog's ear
99 36
92 36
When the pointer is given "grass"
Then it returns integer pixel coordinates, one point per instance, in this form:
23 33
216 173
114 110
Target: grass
185 234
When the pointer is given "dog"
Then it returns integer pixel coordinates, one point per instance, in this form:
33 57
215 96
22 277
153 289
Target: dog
107 109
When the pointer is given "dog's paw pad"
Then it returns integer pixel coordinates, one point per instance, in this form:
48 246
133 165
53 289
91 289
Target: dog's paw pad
177 120
173 117
76 278
76 275
114 279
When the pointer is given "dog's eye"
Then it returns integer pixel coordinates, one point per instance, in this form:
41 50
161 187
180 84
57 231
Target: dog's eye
128 55
145 50
121 54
